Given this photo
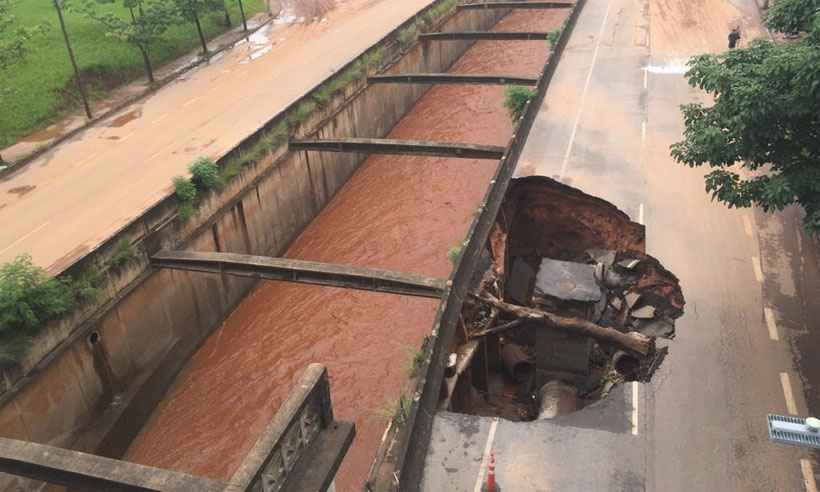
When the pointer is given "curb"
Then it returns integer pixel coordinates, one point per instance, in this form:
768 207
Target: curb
12 167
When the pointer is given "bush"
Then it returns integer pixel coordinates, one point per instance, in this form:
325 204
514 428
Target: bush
453 254
554 35
516 99
205 174
123 253
29 298
184 190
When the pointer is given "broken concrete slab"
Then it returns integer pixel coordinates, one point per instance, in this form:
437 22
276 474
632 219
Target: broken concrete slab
629 264
660 327
519 285
567 281
632 298
646 312
604 256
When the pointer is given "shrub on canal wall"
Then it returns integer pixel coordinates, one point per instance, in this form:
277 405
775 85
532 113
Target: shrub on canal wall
29 298
516 99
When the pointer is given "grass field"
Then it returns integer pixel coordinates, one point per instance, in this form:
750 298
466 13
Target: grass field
41 86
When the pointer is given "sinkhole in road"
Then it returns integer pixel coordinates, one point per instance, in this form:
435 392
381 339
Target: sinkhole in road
567 305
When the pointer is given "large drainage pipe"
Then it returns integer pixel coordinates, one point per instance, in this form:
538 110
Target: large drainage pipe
556 398
517 363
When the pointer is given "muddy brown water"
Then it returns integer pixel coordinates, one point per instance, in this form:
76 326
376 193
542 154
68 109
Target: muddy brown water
396 212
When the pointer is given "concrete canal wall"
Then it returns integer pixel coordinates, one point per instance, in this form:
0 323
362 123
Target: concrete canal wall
92 379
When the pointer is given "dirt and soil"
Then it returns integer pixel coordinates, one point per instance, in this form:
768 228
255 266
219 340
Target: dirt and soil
397 212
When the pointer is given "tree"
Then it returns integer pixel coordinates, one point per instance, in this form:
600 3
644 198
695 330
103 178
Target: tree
145 23
191 10
14 39
765 118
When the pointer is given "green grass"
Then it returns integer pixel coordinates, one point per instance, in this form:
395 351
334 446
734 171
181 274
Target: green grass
41 84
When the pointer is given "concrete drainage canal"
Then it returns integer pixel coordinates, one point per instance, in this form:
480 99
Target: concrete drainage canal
567 306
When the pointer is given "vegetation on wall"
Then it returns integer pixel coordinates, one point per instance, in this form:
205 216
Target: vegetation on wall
30 298
515 100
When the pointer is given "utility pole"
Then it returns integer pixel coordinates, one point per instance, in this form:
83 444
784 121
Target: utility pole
242 12
77 76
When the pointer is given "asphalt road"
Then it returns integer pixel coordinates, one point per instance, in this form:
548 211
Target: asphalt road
747 343
74 197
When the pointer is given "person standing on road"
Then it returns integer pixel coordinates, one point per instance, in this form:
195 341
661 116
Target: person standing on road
734 37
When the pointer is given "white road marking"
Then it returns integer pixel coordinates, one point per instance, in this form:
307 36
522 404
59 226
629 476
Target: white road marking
645 78
643 132
584 94
635 408
747 225
484 460
640 214
785 382
757 268
771 323
24 237
808 475
188 103
123 139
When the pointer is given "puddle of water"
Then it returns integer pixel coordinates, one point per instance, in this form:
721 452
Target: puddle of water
126 118
22 190
675 67
49 133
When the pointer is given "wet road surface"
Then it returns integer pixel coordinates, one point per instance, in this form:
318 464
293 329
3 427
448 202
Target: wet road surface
397 212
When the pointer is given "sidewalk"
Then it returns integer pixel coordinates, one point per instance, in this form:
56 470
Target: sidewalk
130 93
71 198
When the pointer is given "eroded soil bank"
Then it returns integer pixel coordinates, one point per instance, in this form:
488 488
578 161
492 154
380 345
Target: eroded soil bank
397 212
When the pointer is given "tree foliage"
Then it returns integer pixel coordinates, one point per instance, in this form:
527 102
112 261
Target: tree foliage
761 135
192 10
15 40
146 22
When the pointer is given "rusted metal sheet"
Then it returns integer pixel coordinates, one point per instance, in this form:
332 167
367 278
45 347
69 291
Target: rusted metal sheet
405 147
305 272
449 78
518 5
486 35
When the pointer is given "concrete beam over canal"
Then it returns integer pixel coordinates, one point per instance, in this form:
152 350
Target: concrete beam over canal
485 35
400 147
305 272
449 78
517 5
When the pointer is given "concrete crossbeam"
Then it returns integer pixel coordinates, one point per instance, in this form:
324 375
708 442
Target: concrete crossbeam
84 471
305 272
449 78
401 147
517 5
485 35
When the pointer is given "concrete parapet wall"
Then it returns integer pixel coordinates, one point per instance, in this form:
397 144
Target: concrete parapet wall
93 378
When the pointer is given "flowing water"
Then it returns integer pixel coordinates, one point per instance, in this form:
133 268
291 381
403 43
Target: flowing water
400 213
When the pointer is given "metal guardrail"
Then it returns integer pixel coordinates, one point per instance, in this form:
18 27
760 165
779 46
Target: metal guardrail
299 451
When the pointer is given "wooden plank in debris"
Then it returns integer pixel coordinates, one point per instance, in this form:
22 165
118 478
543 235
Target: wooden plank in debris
517 5
299 271
452 78
402 147
484 35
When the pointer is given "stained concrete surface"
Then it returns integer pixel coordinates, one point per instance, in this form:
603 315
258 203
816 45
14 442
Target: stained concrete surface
590 450
750 279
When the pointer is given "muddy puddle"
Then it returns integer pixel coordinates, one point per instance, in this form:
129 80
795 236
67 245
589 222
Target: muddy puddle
400 213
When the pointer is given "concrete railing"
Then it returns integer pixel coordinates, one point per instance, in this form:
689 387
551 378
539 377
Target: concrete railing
300 450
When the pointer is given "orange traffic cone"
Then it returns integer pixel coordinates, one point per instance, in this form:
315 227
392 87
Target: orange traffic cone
489 485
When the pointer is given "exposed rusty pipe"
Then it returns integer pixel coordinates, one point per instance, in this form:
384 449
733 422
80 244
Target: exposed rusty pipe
517 363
